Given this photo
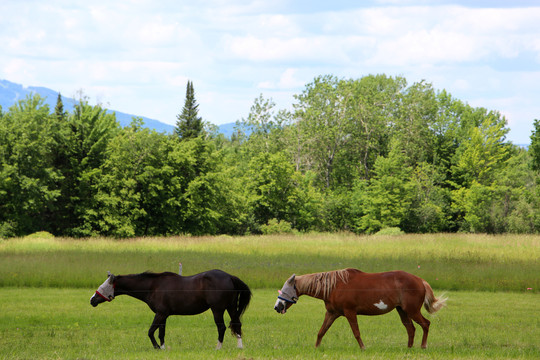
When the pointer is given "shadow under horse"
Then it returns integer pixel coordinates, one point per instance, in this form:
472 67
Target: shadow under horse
168 294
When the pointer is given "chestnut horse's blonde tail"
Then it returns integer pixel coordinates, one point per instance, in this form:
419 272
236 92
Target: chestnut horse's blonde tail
431 303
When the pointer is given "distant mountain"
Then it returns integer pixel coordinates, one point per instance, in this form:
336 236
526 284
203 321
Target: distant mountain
11 93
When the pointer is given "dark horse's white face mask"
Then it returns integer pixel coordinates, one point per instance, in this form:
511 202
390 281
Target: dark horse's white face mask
105 291
287 296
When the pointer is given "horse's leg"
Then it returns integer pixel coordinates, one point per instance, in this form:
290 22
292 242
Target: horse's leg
159 322
236 326
220 323
162 333
424 323
329 319
353 322
407 322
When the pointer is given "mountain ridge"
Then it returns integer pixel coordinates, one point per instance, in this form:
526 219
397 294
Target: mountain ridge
11 93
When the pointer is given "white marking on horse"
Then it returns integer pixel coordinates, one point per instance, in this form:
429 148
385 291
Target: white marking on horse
218 346
381 305
239 343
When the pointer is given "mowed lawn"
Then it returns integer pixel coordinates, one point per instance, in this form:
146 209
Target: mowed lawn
492 283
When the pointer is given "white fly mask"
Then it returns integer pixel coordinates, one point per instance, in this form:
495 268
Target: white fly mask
106 290
287 295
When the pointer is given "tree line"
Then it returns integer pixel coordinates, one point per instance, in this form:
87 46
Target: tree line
358 155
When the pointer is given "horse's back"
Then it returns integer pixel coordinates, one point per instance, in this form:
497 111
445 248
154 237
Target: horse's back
377 293
187 295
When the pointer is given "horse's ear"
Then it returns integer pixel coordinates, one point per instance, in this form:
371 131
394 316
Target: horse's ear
108 273
291 279
111 277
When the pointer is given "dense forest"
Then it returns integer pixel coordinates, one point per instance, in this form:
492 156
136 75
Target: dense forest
358 155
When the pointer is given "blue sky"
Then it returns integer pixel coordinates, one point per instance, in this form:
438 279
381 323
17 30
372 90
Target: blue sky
136 56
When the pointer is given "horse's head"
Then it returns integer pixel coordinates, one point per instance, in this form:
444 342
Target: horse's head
287 296
105 291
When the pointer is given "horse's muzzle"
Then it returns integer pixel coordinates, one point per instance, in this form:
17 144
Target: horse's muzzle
95 300
280 307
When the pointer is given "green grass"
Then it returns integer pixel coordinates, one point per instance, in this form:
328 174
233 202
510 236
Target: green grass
46 283
446 261
45 323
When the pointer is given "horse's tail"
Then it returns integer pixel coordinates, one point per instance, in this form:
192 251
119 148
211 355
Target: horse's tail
431 303
243 297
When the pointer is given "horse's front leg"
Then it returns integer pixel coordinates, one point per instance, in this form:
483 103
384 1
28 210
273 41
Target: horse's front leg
329 319
353 322
159 322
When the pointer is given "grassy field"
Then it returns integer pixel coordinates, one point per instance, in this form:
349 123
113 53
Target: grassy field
492 283
49 323
449 262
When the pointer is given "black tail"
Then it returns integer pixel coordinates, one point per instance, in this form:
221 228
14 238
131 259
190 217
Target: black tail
243 297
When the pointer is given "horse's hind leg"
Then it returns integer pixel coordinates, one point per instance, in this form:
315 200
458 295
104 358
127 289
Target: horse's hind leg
220 323
159 322
424 323
236 326
162 333
407 322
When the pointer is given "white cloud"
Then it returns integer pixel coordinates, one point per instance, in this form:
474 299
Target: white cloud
138 54
288 80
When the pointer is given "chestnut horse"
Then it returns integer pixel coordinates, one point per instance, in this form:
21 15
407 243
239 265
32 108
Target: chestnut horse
171 294
351 292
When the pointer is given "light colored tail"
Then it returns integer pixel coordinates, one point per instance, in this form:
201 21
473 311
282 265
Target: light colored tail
431 303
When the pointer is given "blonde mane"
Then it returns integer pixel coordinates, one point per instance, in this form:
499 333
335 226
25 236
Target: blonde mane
321 284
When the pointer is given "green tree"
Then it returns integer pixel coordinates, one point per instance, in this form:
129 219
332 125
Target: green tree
431 201
483 153
372 110
414 124
59 109
342 126
477 163
28 179
189 124
322 125
385 200
264 126
277 191
130 185
91 128
517 209
534 148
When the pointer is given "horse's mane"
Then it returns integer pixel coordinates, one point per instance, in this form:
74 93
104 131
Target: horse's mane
323 282
149 274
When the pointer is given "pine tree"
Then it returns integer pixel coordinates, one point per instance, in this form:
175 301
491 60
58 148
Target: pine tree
59 109
534 148
189 123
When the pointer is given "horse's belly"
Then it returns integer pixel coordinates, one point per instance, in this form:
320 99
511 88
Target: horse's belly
189 311
184 307
367 303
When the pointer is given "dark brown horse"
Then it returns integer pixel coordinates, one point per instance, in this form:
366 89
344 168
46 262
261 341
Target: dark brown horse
351 292
171 294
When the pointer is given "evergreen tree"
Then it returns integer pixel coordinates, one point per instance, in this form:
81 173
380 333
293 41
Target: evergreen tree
189 123
59 109
534 148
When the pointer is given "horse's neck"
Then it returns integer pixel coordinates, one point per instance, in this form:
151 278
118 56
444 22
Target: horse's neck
133 286
303 288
